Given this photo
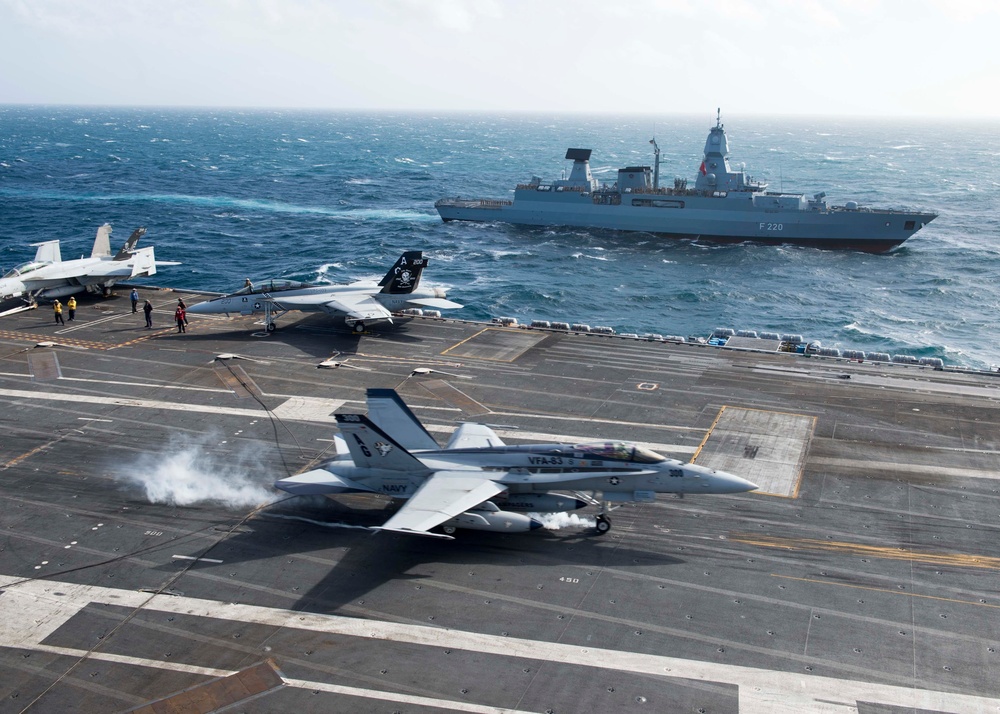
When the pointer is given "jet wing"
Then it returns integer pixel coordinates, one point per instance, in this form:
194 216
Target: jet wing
355 306
436 303
473 436
358 307
441 497
48 252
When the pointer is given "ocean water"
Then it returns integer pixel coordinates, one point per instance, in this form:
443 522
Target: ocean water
335 197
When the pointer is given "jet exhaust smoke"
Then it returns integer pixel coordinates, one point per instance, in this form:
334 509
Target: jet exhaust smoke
556 521
187 472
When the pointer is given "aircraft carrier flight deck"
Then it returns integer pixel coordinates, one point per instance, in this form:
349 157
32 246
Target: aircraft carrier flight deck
861 576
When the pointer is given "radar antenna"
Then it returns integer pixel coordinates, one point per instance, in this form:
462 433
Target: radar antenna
718 117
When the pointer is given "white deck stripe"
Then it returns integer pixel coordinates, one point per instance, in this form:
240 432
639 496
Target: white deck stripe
34 609
301 409
864 465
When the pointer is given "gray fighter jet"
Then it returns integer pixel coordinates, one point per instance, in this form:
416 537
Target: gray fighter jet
360 303
465 484
49 276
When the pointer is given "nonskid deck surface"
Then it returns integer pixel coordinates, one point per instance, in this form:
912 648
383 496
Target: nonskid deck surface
865 576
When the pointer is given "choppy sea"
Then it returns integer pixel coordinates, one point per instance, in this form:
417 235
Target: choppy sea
335 197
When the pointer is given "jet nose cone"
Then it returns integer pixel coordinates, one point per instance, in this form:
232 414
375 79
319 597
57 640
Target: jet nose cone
731 483
534 524
201 308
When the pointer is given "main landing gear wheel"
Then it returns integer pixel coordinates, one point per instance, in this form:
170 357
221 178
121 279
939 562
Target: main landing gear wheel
270 327
603 524
449 530
359 327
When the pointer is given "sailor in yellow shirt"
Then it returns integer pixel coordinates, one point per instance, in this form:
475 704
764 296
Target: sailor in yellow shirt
57 308
71 306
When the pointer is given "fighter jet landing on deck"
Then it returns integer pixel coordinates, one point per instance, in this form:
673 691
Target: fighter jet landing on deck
360 303
460 486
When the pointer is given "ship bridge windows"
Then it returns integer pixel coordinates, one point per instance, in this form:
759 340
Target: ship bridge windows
657 203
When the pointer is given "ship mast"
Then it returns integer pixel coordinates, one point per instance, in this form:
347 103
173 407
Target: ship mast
656 164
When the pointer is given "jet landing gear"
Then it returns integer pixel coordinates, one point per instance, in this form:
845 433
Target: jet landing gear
603 524
359 327
270 312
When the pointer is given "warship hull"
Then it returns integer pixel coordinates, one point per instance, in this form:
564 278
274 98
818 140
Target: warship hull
702 218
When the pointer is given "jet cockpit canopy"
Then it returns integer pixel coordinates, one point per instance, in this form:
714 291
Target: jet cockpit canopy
24 268
619 451
272 286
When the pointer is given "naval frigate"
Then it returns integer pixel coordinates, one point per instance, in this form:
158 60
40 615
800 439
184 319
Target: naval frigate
724 206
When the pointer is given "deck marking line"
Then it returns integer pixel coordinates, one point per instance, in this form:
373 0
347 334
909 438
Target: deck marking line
760 691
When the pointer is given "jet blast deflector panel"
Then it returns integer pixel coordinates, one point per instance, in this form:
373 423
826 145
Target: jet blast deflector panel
499 345
768 448
44 365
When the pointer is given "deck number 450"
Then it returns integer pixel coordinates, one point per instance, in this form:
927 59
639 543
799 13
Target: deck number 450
569 580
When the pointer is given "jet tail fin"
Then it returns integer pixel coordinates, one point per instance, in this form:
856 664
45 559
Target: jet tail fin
48 252
404 276
387 410
102 243
126 252
372 448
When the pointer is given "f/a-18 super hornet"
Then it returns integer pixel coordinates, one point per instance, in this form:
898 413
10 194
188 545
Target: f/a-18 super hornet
464 484
49 276
360 303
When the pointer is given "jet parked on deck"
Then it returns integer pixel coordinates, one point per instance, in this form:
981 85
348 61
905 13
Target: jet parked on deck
49 276
476 481
360 303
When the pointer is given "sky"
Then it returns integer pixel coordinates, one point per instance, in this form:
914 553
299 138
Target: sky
896 58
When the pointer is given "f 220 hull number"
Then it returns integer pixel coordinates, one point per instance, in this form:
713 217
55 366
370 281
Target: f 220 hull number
770 226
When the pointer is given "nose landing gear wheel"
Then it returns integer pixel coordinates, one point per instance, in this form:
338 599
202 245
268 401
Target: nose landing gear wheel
359 327
449 530
603 524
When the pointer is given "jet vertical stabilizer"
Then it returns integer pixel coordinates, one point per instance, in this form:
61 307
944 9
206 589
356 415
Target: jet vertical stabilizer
404 276
102 244
126 251
388 411
372 448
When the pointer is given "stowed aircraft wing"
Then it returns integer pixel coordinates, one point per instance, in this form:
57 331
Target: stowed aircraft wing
473 436
444 495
